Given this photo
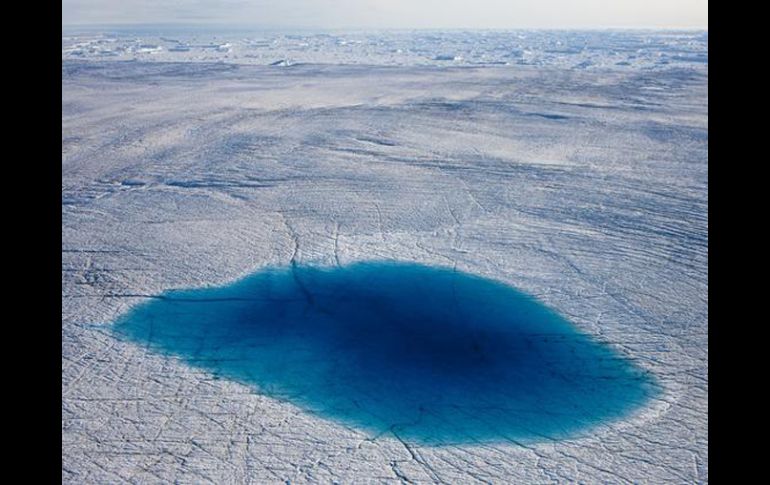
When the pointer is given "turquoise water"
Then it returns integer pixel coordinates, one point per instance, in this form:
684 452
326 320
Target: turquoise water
432 355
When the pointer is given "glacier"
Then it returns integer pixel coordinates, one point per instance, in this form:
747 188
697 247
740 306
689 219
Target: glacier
570 165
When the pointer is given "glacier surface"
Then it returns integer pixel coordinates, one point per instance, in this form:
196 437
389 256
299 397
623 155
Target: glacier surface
572 166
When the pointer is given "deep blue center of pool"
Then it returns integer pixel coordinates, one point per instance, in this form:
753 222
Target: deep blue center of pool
431 355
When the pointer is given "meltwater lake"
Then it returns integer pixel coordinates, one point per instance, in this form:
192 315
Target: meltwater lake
431 355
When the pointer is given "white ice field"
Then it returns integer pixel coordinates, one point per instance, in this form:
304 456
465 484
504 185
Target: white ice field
571 165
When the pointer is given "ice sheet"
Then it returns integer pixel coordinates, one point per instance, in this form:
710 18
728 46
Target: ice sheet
587 188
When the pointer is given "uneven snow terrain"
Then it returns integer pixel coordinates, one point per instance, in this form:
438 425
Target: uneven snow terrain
585 187
625 50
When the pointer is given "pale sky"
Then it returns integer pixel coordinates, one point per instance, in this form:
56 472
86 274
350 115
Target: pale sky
363 14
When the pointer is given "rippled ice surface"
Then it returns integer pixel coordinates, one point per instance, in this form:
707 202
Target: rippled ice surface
586 188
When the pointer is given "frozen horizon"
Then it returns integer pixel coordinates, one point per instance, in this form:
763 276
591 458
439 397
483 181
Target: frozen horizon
589 49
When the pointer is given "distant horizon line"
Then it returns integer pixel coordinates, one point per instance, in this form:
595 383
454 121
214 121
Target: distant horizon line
181 25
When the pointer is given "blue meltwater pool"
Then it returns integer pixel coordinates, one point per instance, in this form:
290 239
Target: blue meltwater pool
431 355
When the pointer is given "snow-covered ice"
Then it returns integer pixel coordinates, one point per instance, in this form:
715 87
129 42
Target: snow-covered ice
576 49
578 175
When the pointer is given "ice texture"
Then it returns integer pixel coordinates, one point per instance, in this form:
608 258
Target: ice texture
586 188
625 50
